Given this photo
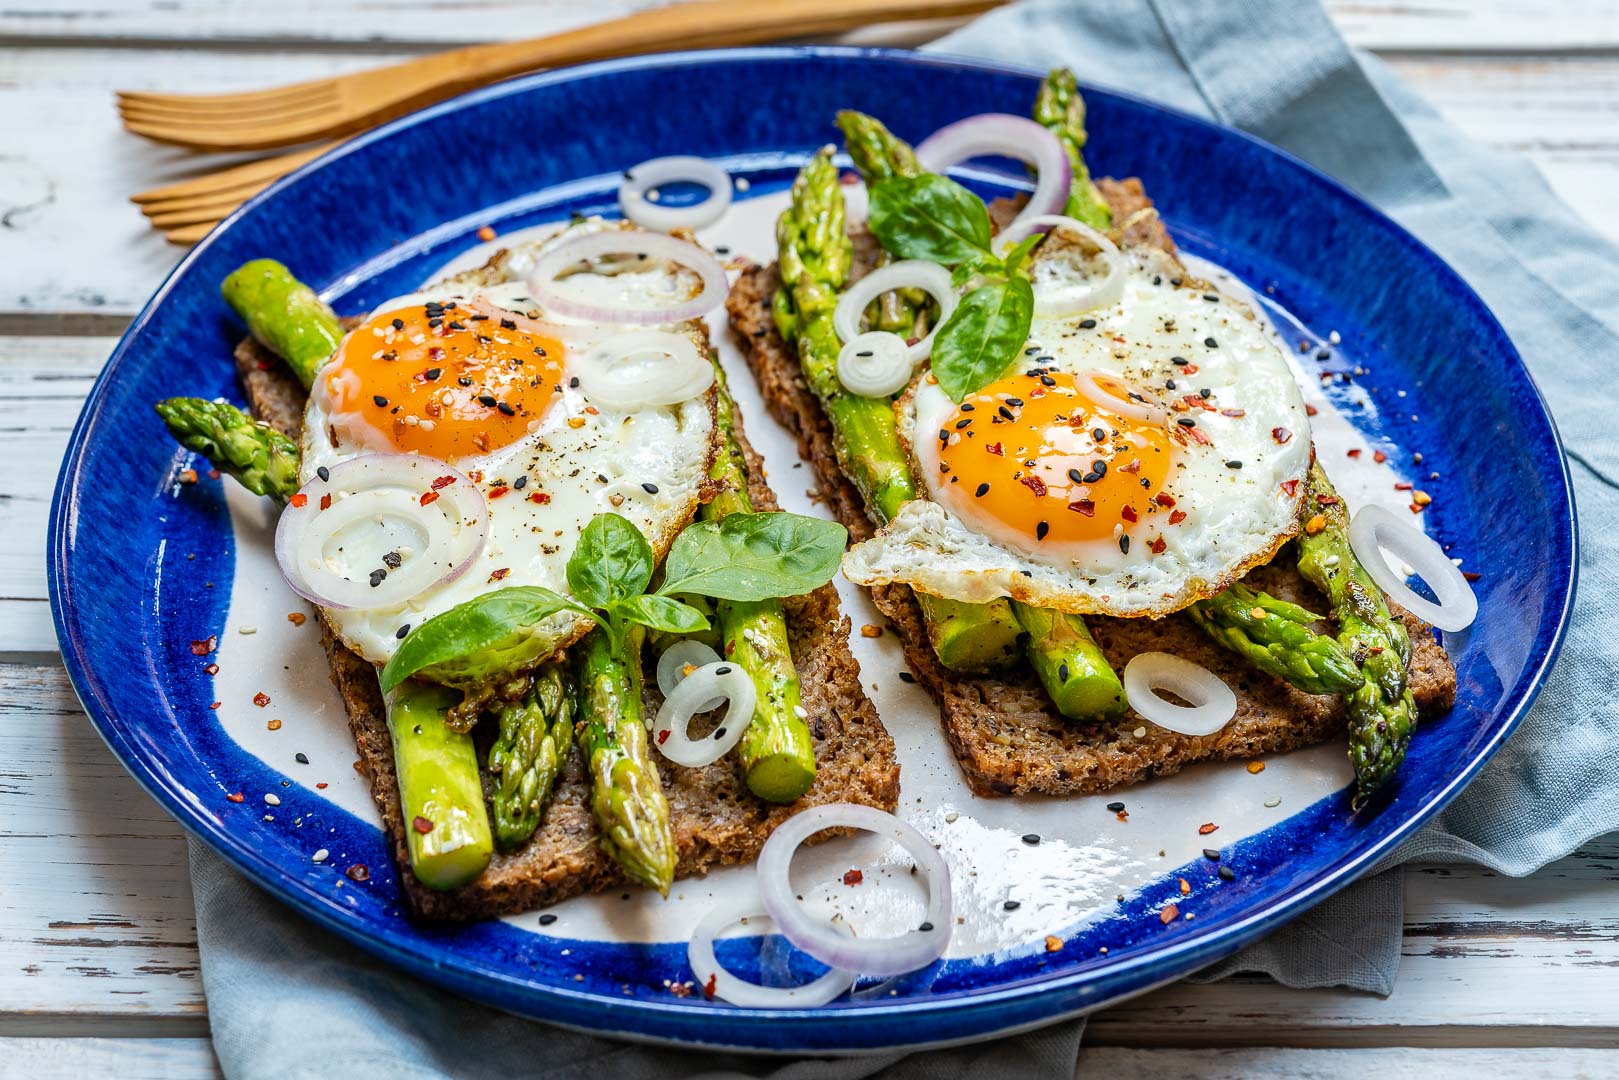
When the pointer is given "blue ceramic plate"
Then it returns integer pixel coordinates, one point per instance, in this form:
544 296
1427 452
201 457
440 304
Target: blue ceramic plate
142 566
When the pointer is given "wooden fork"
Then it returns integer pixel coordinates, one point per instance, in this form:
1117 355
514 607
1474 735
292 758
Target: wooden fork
324 108
186 211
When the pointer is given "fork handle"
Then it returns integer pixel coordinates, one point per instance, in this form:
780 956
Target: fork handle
704 24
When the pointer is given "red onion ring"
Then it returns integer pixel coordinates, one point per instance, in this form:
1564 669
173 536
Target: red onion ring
1372 529
542 280
633 201
1213 702
1008 136
706 966
868 956
455 522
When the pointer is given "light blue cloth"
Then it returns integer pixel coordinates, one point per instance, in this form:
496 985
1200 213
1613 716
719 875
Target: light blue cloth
289 1000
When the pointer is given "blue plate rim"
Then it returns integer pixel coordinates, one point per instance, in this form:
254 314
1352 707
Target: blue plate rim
1026 1003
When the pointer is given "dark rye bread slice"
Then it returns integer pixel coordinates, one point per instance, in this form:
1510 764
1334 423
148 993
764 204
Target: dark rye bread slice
1007 737
716 820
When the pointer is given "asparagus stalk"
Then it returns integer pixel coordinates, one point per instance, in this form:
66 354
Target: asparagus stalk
879 156
776 752
284 315
626 794
527 756
440 794
260 457
1276 637
814 264
1058 106
1382 714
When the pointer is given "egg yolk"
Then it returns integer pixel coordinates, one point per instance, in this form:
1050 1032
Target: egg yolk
1042 457
444 379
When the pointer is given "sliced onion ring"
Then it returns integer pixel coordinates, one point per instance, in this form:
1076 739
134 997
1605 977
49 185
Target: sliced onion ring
1213 703
316 547
642 369
1054 303
542 281
632 193
868 956
674 661
1372 529
875 364
721 679
1007 136
1150 409
931 278
706 966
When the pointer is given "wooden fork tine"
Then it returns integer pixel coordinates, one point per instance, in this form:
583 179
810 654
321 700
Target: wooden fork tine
271 97
186 235
265 169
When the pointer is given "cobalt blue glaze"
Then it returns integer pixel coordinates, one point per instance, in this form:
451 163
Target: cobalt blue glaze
376 216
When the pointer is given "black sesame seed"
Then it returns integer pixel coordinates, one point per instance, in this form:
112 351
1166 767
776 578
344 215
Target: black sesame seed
1076 476
457 324
906 677
1211 343
1040 530
382 402
1011 905
547 919
1124 545
433 374
1233 464
479 318
1179 361
1169 384
1175 281
944 435
1016 403
377 576
1099 434
1185 421
963 422
1031 838
402 631
573 383
399 324
1158 279
1062 672
324 473
1116 807
464 381
508 324
983 489
1087 324
1324 355
521 482
1211 854
487 400
506 410
1227 874
1031 350
719 733
650 488
1204 392
1006 413
967 406
1211 298
1047 380
925 928
393 560
435 322
726 670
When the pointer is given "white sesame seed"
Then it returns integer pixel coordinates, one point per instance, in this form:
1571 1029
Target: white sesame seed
1274 801
950 818
246 630
272 799
1334 338
1140 733
742 183
798 711
321 856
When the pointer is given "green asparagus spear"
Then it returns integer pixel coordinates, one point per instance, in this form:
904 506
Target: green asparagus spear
1075 674
626 794
776 752
284 315
814 264
1058 106
440 796
1381 713
263 459
1275 636
879 156
527 756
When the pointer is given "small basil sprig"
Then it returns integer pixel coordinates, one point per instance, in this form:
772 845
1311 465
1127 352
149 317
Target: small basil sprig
743 557
934 218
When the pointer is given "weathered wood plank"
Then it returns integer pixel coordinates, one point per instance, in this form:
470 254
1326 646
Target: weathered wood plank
127 1059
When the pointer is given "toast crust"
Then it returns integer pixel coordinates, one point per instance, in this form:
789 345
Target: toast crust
1005 734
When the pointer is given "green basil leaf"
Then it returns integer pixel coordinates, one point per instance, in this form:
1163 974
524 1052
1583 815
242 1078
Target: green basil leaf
661 613
475 626
754 556
1013 259
612 562
929 217
982 263
983 336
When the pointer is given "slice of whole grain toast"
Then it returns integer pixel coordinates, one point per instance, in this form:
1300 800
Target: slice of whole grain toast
716 819
1006 735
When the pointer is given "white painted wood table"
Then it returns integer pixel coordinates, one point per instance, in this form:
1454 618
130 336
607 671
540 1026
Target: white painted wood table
98 959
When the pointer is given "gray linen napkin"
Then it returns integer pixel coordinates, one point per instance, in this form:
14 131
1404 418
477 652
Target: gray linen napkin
288 999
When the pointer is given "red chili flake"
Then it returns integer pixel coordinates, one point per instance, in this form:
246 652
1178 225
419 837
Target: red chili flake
1310 410
501 490
1169 914
1196 435
211 669
299 500
421 824
1122 815
1402 487
188 476
297 618
429 497
264 365
500 574
1128 513
1157 545
238 797
204 647
326 501
853 877
358 872
1177 516
1290 488
683 989
1281 434
322 786
435 353
1328 500
1235 414
1471 575
215 704
1206 828
1197 401
1189 369
995 448
1416 508
1379 457
261 699
213 474
1083 506
539 497
708 987
1354 453
1164 498
663 736
486 233
1035 484
443 482
1133 466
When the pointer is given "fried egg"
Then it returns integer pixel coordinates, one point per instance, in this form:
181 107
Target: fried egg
1137 458
446 373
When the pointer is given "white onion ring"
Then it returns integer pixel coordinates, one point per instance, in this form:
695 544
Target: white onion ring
1214 703
931 278
868 956
642 369
673 662
692 695
1007 136
664 170
1055 303
1151 410
875 364
382 488
542 279
1374 528
705 965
